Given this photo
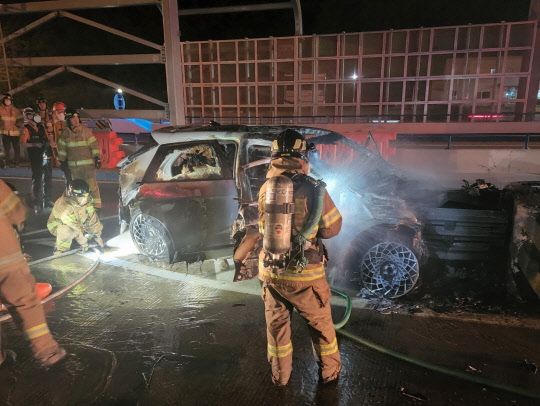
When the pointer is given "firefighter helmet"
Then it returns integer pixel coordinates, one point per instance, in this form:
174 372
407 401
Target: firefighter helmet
78 188
69 115
290 143
7 96
30 115
59 107
28 112
72 113
40 98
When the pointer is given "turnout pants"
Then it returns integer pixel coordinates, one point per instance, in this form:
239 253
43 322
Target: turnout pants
88 174
17 292
65 235
10 141
312 301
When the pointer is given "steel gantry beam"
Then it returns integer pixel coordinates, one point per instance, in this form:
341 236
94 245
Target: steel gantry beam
133 59
44 6
115 86
170 52
173 63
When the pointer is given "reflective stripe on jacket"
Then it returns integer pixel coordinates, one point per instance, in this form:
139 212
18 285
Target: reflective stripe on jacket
329 224
12 215
78 146
10 119
80 218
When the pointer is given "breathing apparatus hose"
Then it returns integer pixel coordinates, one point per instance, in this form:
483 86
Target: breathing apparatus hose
67 288
415 361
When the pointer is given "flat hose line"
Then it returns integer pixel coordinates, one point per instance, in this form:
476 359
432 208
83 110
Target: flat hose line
415 361
65 289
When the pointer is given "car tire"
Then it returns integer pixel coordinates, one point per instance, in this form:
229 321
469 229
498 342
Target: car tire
150 236
384 263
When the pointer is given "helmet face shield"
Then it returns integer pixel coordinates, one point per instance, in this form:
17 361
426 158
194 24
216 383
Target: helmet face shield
82 199
79 190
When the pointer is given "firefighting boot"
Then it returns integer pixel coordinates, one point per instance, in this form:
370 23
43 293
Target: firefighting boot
47 351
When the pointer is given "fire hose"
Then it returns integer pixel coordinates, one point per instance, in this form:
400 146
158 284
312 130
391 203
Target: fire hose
67 288
415 361
339 328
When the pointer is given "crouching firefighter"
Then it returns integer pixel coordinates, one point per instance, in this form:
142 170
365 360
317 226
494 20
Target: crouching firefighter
17 286
74 217
295 212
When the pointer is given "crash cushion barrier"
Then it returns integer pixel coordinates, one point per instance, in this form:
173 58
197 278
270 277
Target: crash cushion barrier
109 147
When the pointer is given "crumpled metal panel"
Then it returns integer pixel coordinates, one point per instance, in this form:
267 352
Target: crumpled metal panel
525 244
465 234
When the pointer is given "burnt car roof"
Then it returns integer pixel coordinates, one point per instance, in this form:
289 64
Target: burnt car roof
167 135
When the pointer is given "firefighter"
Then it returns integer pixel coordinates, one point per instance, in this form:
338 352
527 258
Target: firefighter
39 152
78 153
54 129
74 217
43 110
297 281
10 121
17 286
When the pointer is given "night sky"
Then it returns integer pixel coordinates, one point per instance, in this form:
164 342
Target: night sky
65 37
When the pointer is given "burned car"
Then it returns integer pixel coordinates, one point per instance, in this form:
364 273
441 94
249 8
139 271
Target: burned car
180 195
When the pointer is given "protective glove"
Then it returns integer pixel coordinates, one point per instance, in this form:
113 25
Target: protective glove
97 162
99 241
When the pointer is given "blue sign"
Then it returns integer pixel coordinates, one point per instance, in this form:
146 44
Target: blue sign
119 101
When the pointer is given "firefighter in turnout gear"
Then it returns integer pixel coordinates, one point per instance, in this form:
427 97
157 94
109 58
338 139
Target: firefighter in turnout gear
10 122
295 213
54 129
43 110
78 153
40 154
74 217
17 286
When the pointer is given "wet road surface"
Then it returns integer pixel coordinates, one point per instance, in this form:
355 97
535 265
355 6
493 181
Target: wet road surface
138 334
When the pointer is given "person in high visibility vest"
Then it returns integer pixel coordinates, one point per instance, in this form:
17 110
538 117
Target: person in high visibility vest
78 153
300 282
74 217
10 128
17 285
54 129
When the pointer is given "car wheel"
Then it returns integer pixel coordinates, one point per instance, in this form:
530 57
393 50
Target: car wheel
150 236
389 269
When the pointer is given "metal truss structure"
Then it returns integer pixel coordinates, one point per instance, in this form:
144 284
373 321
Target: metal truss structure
487 72
168 54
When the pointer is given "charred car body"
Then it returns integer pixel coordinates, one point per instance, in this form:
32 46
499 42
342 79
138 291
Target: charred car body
181 194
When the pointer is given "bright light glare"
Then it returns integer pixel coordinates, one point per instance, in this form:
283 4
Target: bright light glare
124 246
330 184
119 90
354 76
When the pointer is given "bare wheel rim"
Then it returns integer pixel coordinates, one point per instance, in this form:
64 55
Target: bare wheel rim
389 269
149 236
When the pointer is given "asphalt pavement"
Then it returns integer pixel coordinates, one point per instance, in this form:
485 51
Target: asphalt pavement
144 333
